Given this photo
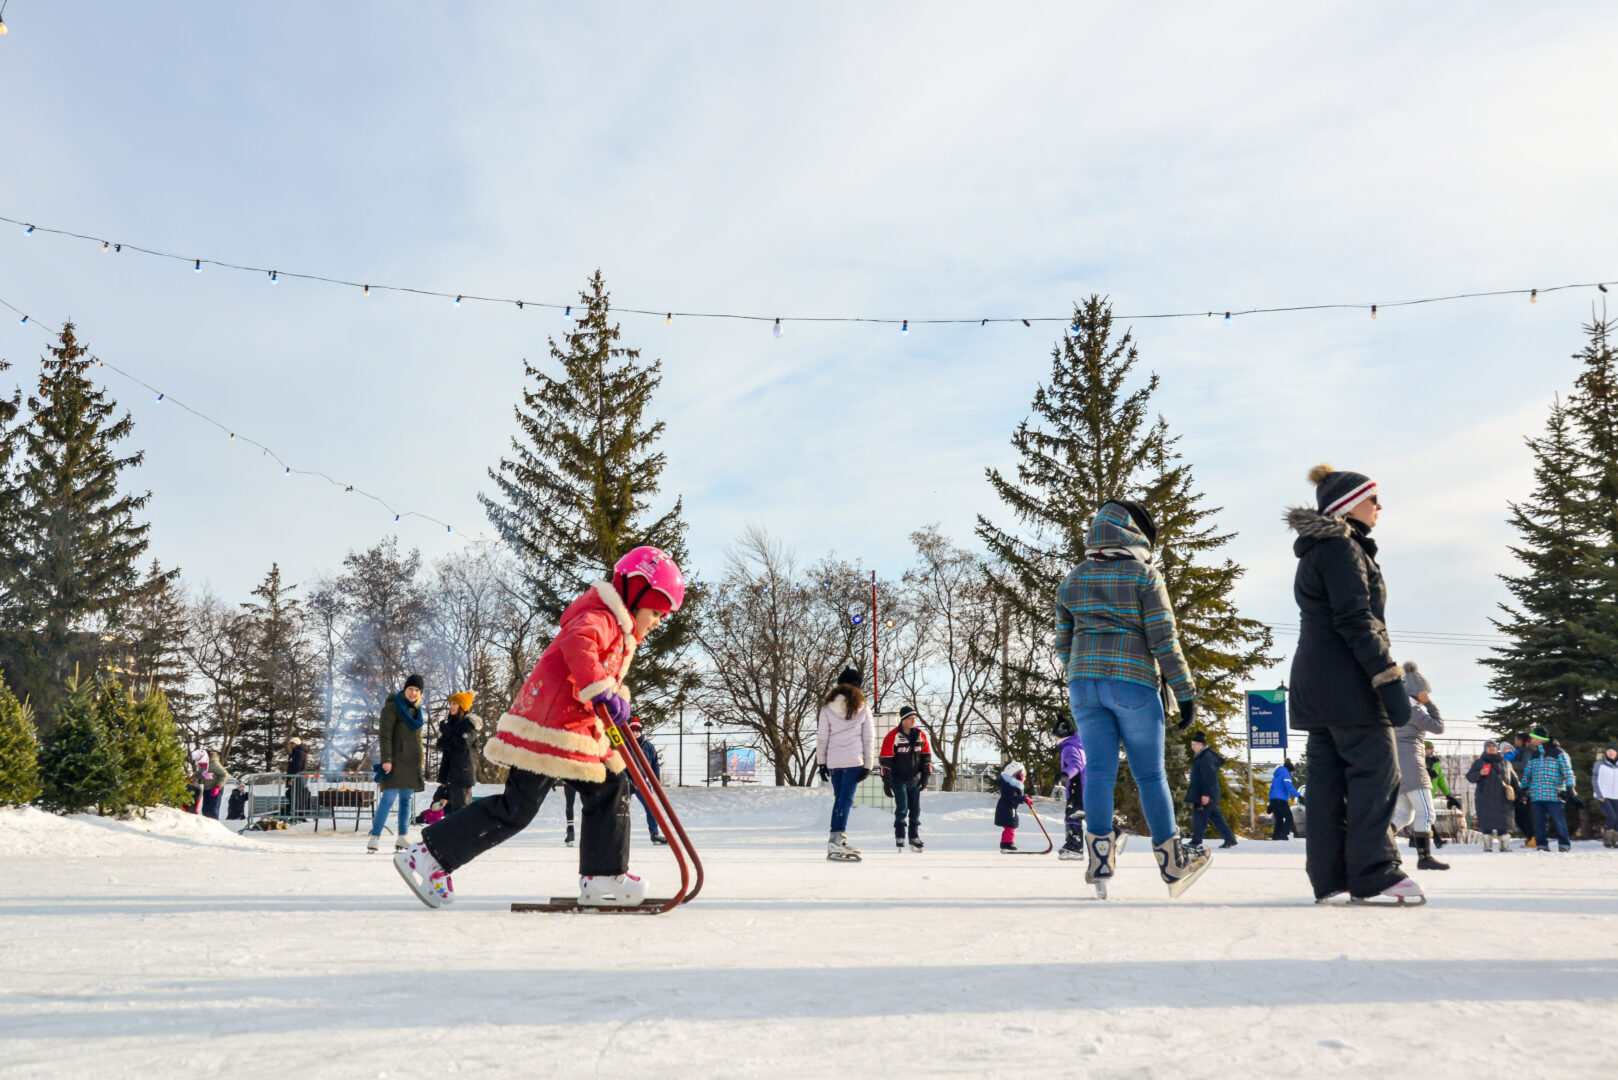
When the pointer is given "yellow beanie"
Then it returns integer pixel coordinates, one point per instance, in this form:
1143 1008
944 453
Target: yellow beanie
463 699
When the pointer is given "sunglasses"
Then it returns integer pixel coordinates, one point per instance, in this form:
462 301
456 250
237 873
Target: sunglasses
1376 501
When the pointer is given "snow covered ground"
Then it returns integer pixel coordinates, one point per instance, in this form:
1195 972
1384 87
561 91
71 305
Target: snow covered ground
179 949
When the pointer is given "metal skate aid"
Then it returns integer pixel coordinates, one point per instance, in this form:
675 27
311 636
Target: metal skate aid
657 801
1050 845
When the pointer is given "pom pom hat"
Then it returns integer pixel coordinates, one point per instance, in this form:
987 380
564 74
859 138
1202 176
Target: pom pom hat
463 699
1336 493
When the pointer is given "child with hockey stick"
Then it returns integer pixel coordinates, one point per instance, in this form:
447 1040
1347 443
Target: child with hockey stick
1012 796
1071 769
552 733
1115 635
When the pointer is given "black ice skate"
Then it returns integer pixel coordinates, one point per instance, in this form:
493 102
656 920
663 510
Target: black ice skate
569 839
916 844
1007 848
1424 849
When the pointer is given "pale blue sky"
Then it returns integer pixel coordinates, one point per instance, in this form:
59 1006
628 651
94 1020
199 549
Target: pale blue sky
907 160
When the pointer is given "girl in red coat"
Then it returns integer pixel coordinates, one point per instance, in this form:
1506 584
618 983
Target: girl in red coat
551 733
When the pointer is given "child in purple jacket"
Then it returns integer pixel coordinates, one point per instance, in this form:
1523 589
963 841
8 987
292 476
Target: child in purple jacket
1072 771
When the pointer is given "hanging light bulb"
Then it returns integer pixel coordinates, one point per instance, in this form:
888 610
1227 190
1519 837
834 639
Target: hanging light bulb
116 248
197 266
890 624
457 301
28 230
23 321
348 489
857 619
287 471
519 305
1025 322
668 320
367 291
396 519
273 277
567 311
1533 296
232 436
1600 286
1227 318
1073 331
160 399
104 246
904 327
777 331
1373 311
447 529
3 30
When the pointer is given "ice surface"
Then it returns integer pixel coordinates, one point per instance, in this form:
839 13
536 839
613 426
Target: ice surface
173 947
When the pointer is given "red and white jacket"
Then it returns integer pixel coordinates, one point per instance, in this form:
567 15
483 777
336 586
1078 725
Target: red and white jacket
552 728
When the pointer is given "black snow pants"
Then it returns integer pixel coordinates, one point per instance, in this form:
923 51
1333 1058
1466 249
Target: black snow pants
459 797
1073 813
1353 786
1281 813
603 843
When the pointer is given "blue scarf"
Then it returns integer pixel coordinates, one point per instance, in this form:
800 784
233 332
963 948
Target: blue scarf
411 713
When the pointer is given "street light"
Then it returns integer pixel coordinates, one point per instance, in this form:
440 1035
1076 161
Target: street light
707 768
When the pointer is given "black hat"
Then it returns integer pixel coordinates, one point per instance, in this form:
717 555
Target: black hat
906 710
1336 493
417 681
1539 734
1140 516
851 677
1200 736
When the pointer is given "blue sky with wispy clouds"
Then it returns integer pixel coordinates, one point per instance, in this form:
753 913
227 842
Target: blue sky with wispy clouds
907 160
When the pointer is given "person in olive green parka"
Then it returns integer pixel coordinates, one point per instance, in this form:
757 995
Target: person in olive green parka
399 755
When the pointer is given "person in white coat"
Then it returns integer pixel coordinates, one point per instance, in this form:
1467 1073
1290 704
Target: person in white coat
1604 780
845 752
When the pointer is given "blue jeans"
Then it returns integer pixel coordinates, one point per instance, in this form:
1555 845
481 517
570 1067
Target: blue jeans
1545 814
406 800
651 822
907 798
843 783
1109 712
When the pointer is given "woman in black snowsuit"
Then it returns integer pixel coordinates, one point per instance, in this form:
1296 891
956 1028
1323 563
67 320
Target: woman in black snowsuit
1347 693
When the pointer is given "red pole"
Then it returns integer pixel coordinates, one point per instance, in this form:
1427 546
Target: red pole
876 667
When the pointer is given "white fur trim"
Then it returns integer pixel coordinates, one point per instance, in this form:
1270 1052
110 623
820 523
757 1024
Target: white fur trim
524 728
516 757
600 686
615 604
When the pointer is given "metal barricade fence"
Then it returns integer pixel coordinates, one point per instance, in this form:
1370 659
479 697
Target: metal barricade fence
293 798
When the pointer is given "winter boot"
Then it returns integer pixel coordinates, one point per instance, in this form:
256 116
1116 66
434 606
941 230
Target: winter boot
1402 893
1488 841
428 880
1178 865
625 890
402 843
372 844
1424 849
1505 841
916 844
1007 847
569 839
1228 844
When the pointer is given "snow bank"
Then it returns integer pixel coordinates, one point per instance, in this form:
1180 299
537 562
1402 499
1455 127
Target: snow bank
28 831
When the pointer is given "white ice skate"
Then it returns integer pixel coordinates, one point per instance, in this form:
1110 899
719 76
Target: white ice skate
1402 893
625 890
371 845
838 849
1179 864
402 843
1103 853
428 880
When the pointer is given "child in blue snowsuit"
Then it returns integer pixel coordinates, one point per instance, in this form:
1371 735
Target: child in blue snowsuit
1011 797
1072 770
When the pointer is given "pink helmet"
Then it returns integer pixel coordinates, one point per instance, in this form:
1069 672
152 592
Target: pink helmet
661 573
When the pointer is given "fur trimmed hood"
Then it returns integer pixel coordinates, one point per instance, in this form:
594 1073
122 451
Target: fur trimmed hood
1313 525
844 700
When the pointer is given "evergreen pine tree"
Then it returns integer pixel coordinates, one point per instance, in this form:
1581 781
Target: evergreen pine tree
1546 676
19 750
1594 410
284 681
9 495
577 492
78 763
1095 439
70 563
152 761
115 710
155 629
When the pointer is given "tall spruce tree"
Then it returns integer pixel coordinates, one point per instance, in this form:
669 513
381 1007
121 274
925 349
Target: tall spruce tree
78 764
1546 675
10 494
1093 438
72 551
283 682
577 492
19 750
1594 409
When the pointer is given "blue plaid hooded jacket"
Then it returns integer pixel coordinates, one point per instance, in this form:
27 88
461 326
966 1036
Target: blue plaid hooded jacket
1113 619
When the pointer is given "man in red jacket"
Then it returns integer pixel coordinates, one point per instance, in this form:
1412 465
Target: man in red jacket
907 761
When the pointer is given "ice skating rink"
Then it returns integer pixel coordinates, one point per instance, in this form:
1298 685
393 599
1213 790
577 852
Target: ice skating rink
187 951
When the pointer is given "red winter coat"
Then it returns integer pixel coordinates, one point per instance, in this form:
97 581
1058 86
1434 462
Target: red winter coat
552 728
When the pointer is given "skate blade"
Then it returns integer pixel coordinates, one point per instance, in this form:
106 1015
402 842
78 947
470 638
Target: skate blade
1180 886
841 858
1101 890
1387 901
652 905
427 897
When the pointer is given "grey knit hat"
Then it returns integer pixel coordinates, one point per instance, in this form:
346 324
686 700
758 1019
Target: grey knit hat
1415 682
1336 492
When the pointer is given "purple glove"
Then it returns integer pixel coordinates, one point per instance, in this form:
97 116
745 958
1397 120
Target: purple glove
617 707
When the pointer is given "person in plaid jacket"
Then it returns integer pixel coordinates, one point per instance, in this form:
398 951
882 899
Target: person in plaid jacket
1548 775
1116 637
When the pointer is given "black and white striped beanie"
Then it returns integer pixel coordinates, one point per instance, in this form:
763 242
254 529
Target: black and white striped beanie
1336 493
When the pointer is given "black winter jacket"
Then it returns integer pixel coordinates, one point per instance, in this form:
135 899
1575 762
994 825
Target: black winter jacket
455 742
298 759
1343 653
1204 778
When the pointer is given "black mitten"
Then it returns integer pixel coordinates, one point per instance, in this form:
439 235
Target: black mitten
1396 701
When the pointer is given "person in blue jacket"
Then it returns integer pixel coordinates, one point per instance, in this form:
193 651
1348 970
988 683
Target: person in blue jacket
1281 795
650 751
1012 796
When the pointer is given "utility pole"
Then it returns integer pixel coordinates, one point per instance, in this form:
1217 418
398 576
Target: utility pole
681 782
876 666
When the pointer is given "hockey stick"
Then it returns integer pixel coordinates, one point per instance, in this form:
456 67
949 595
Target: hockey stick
640 774
1050 845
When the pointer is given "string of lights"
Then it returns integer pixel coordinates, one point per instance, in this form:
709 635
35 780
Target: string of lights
778 322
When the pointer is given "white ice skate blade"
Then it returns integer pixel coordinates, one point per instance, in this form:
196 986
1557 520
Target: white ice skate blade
401 863
1403 894
1101 890
1181 885
838 856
